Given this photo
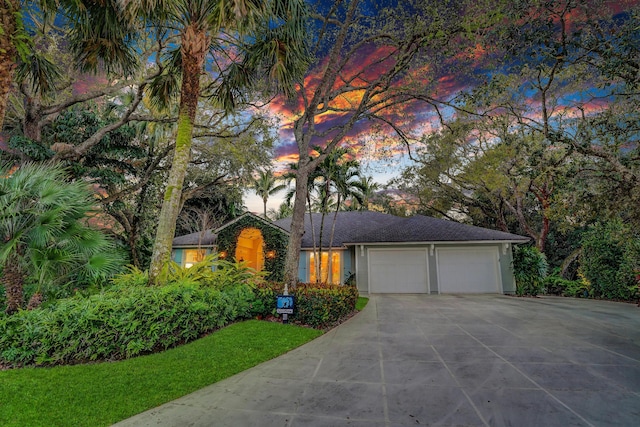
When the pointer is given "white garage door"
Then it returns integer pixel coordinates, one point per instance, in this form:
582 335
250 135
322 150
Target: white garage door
398 271
473 270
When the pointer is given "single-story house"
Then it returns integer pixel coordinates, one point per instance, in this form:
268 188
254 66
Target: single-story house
382 253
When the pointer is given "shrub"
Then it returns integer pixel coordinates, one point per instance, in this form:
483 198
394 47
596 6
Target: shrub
210 272
119 323
318 305
569 288
529 268
610 259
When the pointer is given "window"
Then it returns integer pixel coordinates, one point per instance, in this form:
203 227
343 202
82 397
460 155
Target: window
192 256
336 268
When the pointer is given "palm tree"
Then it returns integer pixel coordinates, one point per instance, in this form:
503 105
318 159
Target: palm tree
271 44
334 182
367 189
43 232
9 29
266 185
249 40
284 211
347 185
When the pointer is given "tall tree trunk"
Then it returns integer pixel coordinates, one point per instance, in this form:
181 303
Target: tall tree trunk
32 122
264 205
12 279
319 271
313 236
333 231
8 53
194 47
292 260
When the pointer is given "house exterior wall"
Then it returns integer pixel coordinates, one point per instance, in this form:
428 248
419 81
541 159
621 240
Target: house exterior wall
506 268
177 255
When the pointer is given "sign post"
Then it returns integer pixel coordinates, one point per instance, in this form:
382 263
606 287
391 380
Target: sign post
285 305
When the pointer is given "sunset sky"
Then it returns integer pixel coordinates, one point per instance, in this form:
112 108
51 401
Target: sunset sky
378 150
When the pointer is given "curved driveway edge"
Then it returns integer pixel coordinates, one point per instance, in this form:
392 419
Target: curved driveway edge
472 360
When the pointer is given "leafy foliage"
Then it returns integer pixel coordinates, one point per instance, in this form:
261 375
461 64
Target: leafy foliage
45 236
119 323
611 260
319 305
556 285
209 272
530 268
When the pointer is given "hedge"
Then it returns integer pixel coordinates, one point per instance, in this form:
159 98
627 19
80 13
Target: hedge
318 305
610 260
120 323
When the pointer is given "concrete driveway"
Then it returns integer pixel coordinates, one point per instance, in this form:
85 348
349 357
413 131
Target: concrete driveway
410 360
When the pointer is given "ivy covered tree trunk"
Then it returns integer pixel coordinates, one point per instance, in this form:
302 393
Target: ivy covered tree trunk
194 47
8 27
13 281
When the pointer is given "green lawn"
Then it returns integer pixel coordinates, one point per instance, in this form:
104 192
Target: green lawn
104 393
361 303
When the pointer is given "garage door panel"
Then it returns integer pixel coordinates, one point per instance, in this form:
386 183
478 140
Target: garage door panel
468 270
398 271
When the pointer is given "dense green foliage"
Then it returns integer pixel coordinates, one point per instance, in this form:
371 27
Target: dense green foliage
529 268
130 318
119 323
556 285
611 260
45 234
101 394
318 305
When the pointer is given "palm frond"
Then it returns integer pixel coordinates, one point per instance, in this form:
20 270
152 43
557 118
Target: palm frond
40 72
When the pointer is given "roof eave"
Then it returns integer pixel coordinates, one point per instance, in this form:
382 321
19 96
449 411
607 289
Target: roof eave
266 222
435 242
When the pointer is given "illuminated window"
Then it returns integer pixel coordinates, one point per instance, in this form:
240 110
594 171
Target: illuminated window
336 269
192 256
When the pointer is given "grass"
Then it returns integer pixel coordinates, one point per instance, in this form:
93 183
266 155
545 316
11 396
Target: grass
103 393
361 303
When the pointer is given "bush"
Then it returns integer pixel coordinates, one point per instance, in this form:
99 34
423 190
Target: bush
119 323
318 305
529 269
610 260
569 288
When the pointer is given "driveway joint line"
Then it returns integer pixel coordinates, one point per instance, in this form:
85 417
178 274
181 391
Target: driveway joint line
533 381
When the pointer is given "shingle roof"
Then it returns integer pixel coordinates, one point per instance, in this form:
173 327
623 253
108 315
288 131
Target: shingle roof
377 227
208 238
